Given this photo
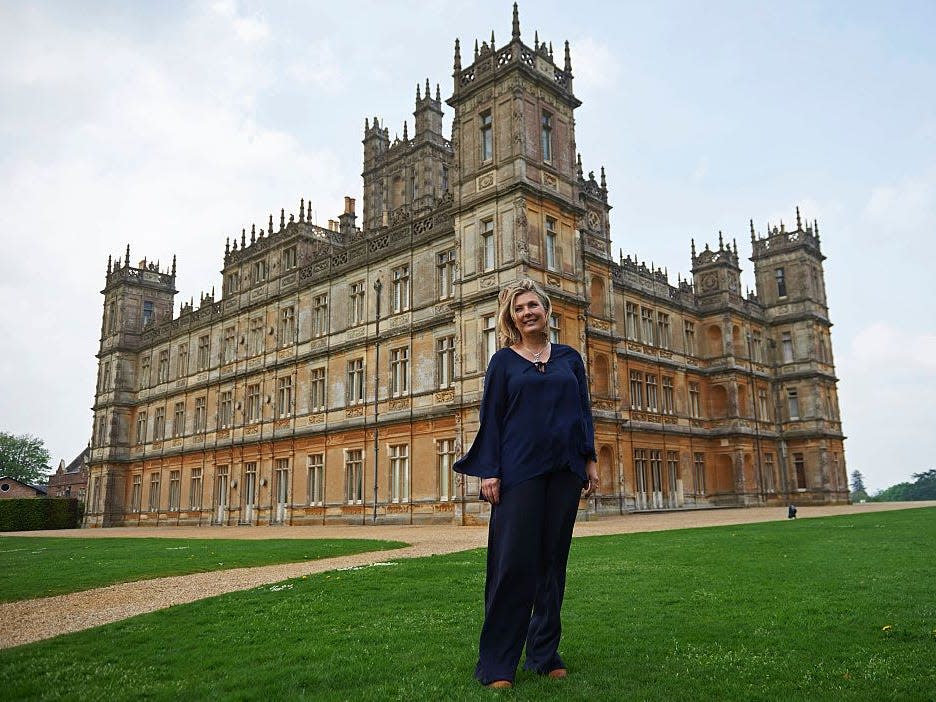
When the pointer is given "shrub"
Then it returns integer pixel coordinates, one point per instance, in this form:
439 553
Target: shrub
30 514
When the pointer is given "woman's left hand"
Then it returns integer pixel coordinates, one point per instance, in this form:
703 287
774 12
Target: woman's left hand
591 469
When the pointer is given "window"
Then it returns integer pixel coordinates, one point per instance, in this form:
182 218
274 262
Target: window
640 469
555 323
202 356
699 465
162 371
149 313
175 489
253 404
445 361
141 427
488 257
413 184
445 451
355 387
195 489
354 476
399 371
201 414
781 282
445 264
287 326
399 473
763 406
290 258
316 481
145 380
646 325
255 337
793 403
695 400
630 321
226 409
232 283
320 315
112 318
445 178
401 288
669 405
652 392
182 361
672 469
770 482
689 337
799 465
489 337
281 485
487 136
159 424
136 494
229 345
636 390
317 389
100 438
356 311
786 346
284 396
104 379
663 330
259 271
178 419
153 505
551 244
757 347
546 135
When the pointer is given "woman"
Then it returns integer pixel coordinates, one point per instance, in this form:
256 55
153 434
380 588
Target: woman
534 453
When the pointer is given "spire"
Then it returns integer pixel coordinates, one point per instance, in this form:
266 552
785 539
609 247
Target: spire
227 245
253 233
799 222
568 59
476 50
366 126
578 165
282 218
604 182
302 209
550 51
427 88
515 31
438 94
243 238
127 258
457 65
536 40
173 265
270 230
108 264
721 242
693 247
734 243
418 97
815 226
405 134
752 232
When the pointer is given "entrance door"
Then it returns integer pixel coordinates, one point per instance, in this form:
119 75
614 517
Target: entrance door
282 493
250 495
221 496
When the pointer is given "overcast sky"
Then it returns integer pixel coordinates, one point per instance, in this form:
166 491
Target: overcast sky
173 125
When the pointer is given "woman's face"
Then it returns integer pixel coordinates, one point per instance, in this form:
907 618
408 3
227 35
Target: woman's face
529 314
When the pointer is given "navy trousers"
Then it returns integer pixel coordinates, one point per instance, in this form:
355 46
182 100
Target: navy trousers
528 547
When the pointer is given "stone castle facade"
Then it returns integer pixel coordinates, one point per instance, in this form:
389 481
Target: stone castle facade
338 376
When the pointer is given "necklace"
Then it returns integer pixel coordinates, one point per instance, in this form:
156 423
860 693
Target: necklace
536 354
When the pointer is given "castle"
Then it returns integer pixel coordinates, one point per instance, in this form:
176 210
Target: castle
338 376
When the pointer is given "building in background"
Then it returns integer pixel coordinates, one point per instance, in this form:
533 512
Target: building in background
338 375
71 480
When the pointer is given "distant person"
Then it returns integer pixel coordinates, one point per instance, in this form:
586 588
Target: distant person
791 512
535 454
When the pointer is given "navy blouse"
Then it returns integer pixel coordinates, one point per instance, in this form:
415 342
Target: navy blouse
531 422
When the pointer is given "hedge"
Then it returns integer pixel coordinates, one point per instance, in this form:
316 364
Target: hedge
30 514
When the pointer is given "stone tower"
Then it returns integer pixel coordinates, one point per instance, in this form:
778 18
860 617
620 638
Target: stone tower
791 288
134 299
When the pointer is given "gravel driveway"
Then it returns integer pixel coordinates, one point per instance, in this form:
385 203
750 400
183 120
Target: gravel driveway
34 620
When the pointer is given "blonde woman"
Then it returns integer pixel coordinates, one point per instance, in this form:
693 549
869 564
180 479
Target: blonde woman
535 454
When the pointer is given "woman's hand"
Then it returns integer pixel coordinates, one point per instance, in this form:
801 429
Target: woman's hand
490 490
591 469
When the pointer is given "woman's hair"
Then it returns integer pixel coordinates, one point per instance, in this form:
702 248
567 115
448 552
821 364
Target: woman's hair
507 331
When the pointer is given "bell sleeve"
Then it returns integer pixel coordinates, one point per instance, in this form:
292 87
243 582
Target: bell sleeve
483 458
588 426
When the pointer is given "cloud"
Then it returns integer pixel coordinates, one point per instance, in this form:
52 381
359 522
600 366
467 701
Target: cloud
883 345
247 29
594 65
907 207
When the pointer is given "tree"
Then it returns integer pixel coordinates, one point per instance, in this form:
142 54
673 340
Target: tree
24 457
858 487
923 488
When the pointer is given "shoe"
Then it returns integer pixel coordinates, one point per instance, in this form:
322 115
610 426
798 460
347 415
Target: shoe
500 684
558 673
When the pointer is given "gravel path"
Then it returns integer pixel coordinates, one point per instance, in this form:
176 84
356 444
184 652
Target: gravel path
33 620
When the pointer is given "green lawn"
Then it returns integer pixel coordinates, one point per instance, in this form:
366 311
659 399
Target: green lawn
840 608
32 566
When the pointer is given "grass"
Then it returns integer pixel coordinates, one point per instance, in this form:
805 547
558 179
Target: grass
838 608
32 566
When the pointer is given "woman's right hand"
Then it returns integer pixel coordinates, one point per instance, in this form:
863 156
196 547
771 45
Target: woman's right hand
490 490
